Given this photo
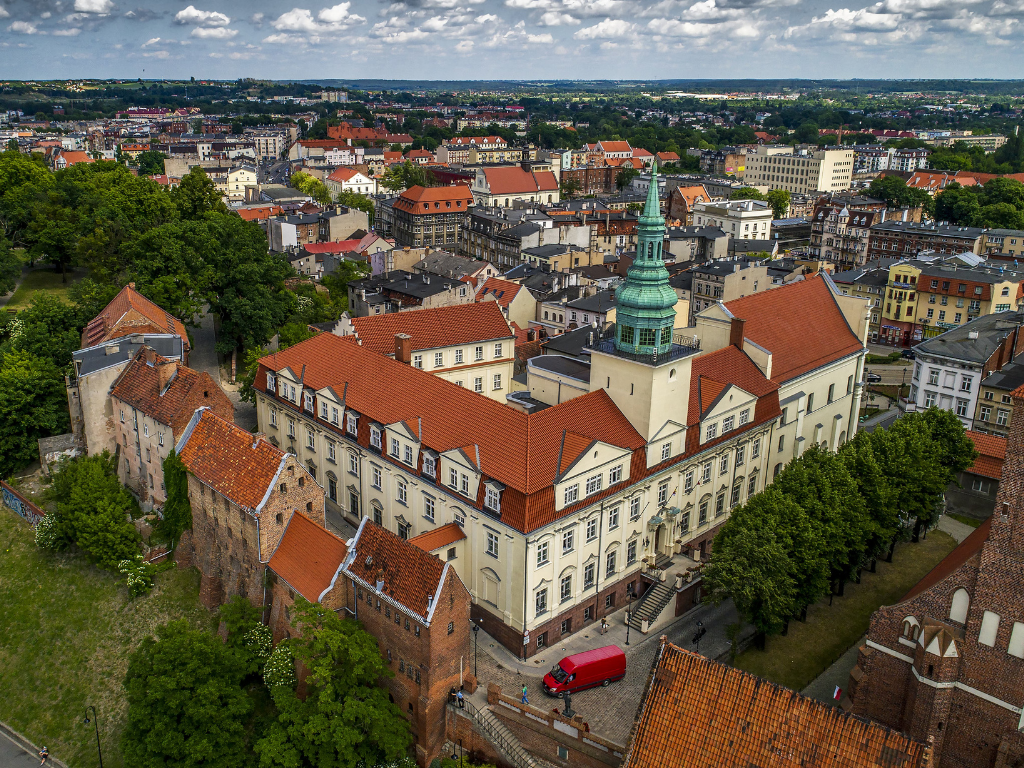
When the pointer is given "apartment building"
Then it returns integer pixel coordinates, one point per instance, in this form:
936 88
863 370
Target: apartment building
799 170
725 280
906 239
994 414
949 369
740 219
949 296
350 180
270 144
501 235
592 179
1007 243
560 507
724 162
430 215
470 345
869 283
403 291
475 150
840 235
696 243
504 186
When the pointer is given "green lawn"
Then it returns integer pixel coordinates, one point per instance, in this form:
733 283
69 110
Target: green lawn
809 648
67 631
44 280
971 521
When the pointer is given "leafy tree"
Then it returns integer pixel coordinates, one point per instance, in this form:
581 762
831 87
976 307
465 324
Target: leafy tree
746 193
951 447
292 333
999 216
337 282
1003 190
877 492
897 194
10 267
570 188
778 199
24 181
186 704
93 508
151 163
346 719
250 367
177 509
33 404
354 200
48 328
624 177
312 186
197 195
957 205
807 133
402 176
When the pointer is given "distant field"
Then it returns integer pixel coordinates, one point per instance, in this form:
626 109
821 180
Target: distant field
68 629
43 280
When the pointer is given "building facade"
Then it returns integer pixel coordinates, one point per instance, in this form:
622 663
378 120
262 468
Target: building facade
432 216
799 170
741 219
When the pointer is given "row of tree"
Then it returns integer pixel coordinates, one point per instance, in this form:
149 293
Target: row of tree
999 204
777 199
828 515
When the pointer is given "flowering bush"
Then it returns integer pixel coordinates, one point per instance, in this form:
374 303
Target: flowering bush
280 668
49 534
139 573
259 641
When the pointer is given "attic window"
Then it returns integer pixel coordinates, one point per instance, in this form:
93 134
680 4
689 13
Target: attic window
426 206
369 560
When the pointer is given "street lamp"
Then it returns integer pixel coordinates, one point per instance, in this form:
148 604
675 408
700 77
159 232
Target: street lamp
476 644
630 594
699 634
96 725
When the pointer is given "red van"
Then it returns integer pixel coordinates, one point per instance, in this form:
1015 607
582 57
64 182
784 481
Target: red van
585 670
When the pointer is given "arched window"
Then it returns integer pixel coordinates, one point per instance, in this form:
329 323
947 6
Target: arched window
911 628
958 608
778 468
378 512
842 438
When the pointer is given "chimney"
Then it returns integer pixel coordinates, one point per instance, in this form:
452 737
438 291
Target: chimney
736 333
165 372
403 348
531 334
132 286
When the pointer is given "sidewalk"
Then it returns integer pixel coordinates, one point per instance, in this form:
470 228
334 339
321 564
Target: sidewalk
18 752
609 711
824 685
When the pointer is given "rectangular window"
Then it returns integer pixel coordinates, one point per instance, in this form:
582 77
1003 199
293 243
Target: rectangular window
613 518
334 415
492 544
375 437
395 447
631 552
986 413
720 504
831 392
273 417
497 381
492 500
408 455
309 438
663 494
752 485
540 603
568 539
478 353
478 384
159 438
929 399
565 589
1002 417
417 361
705 473
351 423
744 416
615 475
458 356
609 564
591 529
740 450
961 407
429 467
572 494
688 482
588 576
438 359
666 451
376 478
728 424
782 442
965 383
403 492
712 431
428 507
323 411
542 554
933 376
737 489
593 484
464 484
497 349
723 464
634 508
702 513
291 427
331 451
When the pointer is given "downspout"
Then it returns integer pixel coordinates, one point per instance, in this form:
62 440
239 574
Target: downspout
526 562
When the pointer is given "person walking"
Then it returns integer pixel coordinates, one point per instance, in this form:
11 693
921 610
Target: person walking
525 700
43 755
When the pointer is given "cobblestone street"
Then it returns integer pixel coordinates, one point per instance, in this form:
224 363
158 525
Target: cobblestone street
609 711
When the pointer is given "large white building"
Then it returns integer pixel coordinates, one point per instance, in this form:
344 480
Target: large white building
743 219
799 170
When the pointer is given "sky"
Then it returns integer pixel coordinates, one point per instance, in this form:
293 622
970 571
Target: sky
511 39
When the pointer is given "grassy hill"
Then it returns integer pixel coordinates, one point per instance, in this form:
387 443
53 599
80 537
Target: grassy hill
68 629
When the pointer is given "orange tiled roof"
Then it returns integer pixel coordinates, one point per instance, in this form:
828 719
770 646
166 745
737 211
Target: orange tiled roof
516 449
668 157
433 328
341 173
415 198
439 537
409 575
308 557
502 290
800 324
232 461
992 453
74 157
694 194
700 713
515 180
615 146
130 312
259 214
138 385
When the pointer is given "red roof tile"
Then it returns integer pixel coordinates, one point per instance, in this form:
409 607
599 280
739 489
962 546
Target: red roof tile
308 557
232 461
444 536
967 549
800 324
515 180
992 453
414 199
615 146
700 713
130 312
138 385
433 328
409 575
258 214
502 290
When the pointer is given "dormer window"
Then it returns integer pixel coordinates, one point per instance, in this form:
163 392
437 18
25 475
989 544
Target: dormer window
395 447
453 478
429 466
712 431
593 484
351 423
307 400
666 451
375 437
492 499
408 455
271 383
323 411
728 424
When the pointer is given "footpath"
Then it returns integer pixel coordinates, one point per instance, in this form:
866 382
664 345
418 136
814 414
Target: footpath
18 752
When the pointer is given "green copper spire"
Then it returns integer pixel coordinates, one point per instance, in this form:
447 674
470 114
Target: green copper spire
645 304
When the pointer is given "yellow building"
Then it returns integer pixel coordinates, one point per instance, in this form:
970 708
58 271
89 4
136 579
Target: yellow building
898 324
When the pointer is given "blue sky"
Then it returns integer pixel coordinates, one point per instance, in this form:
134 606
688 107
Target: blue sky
511 39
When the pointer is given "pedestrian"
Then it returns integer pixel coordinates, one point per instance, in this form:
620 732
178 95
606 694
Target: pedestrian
525 700
451 695
604 625
462 703
43 754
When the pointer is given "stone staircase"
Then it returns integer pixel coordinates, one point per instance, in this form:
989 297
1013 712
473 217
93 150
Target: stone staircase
651 604
500 736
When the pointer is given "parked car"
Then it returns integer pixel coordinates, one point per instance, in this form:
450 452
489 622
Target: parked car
600 666
908 354
872 378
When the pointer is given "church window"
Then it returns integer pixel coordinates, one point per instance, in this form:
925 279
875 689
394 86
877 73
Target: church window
648 337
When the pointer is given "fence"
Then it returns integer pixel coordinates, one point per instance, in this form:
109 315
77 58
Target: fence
20 504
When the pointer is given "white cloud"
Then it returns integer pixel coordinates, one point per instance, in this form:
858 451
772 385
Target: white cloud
94 6
284 39
257 18
157 55
23 28
3 12
72 32
464 46
193 15
334 19
151 41
556 19
46 15
214 33
608 28
544 39
1012 8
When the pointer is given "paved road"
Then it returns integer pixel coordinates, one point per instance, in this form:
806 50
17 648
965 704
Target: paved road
14 753
824 685
892 374
204 358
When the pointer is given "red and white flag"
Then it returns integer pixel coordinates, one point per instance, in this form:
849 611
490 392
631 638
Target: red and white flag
838 693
